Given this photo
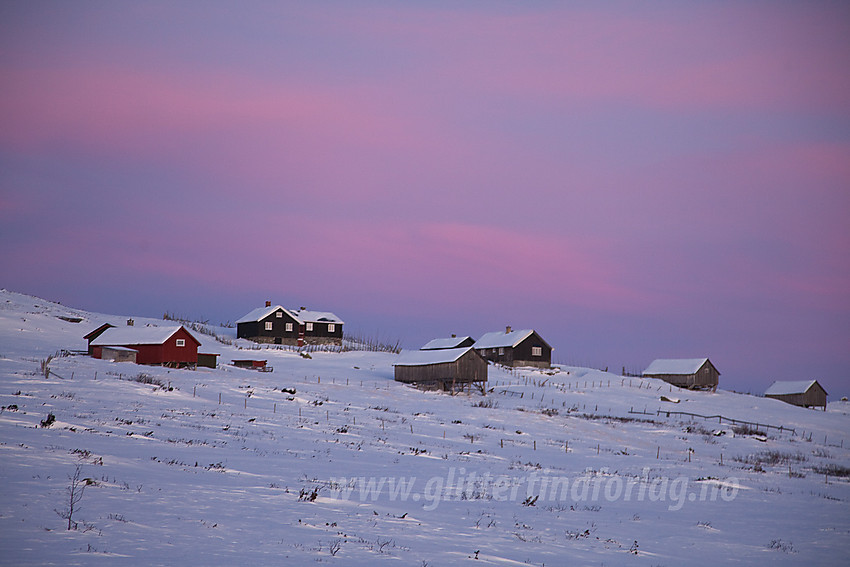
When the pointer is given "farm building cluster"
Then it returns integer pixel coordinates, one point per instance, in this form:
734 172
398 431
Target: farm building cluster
451 363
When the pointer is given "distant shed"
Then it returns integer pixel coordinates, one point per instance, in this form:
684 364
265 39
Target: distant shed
691 373
207 359
449 342
443 369
803 393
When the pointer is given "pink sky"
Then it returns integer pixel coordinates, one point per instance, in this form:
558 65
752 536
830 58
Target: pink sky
634 181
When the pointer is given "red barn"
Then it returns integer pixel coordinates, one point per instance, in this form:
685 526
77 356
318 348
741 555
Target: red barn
172 346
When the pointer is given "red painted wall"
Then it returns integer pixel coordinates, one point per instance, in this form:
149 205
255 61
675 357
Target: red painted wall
169 351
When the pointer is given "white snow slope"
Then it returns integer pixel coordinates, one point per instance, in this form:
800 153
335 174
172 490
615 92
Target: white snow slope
355 469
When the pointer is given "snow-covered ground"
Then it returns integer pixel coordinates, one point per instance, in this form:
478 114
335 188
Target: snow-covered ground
328 460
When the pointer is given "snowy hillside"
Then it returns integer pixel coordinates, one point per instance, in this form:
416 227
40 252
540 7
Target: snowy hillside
328 460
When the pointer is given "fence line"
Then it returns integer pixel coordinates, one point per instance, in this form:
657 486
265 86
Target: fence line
720 419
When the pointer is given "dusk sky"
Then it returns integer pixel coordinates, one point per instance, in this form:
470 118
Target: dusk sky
634 180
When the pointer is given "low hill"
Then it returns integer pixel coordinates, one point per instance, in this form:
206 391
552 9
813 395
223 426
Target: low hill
328 460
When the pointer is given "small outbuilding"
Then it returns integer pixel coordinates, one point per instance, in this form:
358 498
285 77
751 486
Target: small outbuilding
442 369
449 342
515 348
168 346
803 393
118 354
274 324
208 359
691 373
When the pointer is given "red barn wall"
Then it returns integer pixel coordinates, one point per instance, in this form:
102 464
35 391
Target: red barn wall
169 351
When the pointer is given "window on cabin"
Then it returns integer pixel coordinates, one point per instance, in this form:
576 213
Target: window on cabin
536 351
279 314
269 325
501 351
289 327
331 327
309 326
181 342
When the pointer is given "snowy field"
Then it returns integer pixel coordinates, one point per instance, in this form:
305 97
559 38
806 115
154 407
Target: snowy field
327 460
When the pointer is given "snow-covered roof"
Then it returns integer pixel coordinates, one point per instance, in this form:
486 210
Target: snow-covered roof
422 357
305 316
675 366
115 336
780 388
448 342
301 316
259 314
501 339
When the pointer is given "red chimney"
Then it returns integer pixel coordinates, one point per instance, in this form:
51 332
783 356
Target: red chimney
507 329
268 303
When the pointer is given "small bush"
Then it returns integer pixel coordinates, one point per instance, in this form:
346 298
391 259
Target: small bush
145 379
833 470
782 546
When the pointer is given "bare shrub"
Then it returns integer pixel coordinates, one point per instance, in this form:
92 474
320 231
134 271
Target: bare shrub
75 494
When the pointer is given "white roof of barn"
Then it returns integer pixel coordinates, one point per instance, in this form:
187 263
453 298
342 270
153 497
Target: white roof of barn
792 387
116 336
501 339
449 342
675 366
301 316
423 357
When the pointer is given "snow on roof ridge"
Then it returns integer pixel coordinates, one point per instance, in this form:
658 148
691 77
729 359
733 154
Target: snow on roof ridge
309 316
301 316
444 343
153 335
675 366
436 356
499 339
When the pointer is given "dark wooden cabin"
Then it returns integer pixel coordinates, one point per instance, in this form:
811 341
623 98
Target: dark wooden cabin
443 369
515 348
274 324
169 346
691 373
449 342
803 393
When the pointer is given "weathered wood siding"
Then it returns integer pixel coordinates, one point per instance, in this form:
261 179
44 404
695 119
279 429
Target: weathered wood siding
813 397
706 378
470 367
522 353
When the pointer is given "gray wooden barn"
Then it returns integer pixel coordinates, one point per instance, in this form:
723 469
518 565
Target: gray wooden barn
443 369
691 373
804 393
